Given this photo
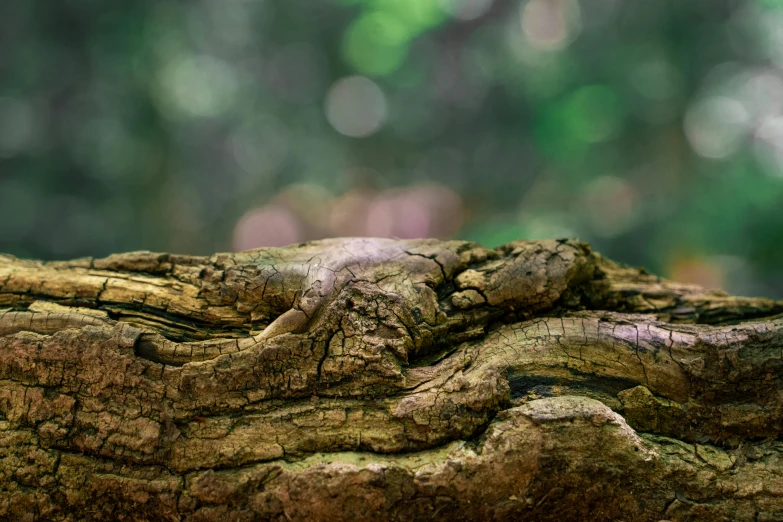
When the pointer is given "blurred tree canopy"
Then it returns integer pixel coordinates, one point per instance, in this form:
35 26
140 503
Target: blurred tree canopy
654 130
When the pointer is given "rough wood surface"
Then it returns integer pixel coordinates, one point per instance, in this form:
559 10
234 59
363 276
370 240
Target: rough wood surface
369 379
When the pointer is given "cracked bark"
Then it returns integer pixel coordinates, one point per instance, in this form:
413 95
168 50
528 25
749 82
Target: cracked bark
367 379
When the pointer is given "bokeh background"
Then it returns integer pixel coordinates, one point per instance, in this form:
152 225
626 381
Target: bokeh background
652 129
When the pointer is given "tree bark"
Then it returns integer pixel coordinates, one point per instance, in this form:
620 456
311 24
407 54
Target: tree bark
370 379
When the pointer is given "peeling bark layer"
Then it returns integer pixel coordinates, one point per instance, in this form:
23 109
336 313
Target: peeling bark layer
370 379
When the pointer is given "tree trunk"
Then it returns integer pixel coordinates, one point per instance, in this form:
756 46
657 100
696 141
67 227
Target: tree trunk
369 379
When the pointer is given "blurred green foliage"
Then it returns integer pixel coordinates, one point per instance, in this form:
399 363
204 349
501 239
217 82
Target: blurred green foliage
654 130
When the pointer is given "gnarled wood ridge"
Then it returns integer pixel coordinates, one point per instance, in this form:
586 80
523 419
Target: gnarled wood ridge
372 379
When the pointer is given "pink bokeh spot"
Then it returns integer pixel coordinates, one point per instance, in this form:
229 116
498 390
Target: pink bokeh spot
399 215
269 226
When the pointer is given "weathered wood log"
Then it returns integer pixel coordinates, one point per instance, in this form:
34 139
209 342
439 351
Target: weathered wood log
368 379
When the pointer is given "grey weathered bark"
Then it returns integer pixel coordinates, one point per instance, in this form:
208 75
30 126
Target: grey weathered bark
367 379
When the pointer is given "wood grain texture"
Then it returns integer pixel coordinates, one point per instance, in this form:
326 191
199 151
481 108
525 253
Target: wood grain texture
374 379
